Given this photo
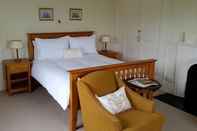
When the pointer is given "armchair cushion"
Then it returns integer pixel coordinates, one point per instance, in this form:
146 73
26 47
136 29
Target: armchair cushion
136 120
115 102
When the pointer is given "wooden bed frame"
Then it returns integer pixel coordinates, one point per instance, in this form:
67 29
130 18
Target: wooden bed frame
133 69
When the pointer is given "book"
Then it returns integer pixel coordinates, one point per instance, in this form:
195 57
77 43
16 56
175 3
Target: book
143 82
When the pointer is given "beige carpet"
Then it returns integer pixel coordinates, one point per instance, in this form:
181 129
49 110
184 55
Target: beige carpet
39 112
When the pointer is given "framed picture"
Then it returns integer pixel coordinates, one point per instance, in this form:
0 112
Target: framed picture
46 14
76 13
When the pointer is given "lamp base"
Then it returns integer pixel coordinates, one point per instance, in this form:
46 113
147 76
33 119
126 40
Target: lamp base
18 60
104 47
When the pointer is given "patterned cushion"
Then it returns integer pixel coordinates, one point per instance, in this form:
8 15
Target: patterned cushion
115 102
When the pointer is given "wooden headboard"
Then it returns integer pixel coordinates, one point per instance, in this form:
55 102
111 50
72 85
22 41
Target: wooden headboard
32 36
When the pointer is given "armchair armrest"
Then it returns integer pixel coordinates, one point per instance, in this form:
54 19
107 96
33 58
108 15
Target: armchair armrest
94 114
139 102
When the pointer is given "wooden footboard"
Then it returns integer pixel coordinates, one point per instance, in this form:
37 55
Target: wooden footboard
129 70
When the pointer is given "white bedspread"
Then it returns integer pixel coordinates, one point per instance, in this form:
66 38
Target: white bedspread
53 75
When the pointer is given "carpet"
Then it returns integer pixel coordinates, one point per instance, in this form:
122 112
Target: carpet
174 101
38 111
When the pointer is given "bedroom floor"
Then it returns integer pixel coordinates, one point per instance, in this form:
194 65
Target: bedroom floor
39 112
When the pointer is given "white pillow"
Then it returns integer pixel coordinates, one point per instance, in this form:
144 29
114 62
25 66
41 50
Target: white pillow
72 53
51 48
115 102
35 50
86 44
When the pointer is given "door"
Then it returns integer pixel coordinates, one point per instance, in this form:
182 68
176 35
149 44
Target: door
149 26
127 26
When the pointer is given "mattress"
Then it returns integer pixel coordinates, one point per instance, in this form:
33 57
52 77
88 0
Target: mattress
53 75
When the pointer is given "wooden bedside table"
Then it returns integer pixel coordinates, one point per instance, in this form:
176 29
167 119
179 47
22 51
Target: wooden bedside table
17 76
111 54
147 92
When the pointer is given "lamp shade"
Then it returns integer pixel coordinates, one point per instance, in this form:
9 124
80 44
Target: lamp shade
106 39
15 44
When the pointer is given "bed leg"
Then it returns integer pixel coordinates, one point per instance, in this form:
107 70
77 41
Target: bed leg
73 110
72 118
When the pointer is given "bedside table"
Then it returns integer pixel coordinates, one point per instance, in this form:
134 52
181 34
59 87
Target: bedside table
147 92
17 75
111 54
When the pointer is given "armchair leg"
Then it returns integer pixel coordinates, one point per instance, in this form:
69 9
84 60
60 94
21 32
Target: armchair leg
80 126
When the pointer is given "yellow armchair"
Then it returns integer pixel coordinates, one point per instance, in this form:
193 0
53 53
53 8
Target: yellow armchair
142 117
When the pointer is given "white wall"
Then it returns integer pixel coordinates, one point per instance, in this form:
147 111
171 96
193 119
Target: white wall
162 22
19 17
175 17
178 16
186 57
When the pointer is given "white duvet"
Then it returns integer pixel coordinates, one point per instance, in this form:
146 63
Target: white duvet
53 75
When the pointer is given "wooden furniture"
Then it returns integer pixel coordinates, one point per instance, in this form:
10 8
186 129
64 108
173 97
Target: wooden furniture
111 54
17 75
140 68
143 109
147 92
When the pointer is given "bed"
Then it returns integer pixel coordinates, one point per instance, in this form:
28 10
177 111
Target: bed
59 76
53 75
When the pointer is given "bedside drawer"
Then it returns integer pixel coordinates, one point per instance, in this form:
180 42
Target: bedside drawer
17 68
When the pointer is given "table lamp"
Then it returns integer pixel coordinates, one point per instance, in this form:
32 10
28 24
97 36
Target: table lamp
16 45
105 39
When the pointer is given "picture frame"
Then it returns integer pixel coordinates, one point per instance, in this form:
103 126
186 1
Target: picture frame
46 14
76 14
